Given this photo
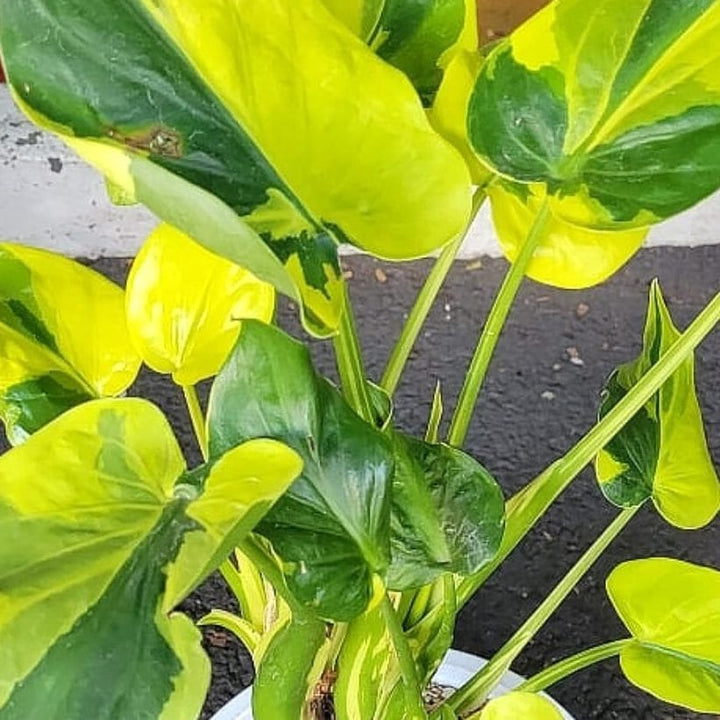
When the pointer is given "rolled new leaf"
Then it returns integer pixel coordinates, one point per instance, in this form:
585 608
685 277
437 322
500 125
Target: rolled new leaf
103 534
619 134
419 38
63 338
662 453
185 305
331 529
273 108
671 609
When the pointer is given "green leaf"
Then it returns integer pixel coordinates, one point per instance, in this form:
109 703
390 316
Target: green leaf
103 537
619 134
183 328
447 514
188 92
417 37
63 338
520 706
331 529
671 609
662 452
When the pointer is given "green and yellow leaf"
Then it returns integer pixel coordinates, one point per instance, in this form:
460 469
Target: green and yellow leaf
520 706
185 305
672 610
662 453
103 535
326 158
618 134
63 338
628 129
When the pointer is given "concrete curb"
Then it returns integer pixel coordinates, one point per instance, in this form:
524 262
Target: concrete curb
49 198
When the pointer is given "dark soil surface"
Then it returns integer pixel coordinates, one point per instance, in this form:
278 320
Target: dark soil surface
500 17
540 398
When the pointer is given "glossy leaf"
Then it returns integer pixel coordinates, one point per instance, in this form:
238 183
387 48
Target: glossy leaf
185 304
662 452
672 610
189 92
419 38
63 338
103 536
447 514
331 529
520 706
568 256
622 133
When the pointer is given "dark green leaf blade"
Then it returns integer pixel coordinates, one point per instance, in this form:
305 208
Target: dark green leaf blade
331 528
448 514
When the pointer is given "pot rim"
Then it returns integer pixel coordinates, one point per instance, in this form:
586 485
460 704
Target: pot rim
457 668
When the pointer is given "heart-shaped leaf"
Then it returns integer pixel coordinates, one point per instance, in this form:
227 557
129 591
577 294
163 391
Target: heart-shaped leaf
63 338
331 529
672 609
275 108
662 452
620 133
184 327
447 514
103 536
418 37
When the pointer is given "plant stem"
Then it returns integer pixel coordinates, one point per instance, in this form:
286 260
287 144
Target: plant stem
564 668
474 693
425 300
531 503
408 670
493 328
350 364
197 417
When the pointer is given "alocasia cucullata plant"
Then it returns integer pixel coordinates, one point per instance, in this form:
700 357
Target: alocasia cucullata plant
265 134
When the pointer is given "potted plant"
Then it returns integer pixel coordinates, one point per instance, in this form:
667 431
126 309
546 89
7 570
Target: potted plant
264 135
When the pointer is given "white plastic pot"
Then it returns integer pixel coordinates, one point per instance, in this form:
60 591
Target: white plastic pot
457 668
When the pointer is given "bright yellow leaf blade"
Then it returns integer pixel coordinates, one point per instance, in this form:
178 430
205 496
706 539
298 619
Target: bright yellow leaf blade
568 256
185 304
672 610
520 706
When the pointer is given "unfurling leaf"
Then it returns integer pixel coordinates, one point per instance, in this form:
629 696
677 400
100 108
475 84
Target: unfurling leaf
331 529
662 453
672 610
63 338
271 112
185 305
103 534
